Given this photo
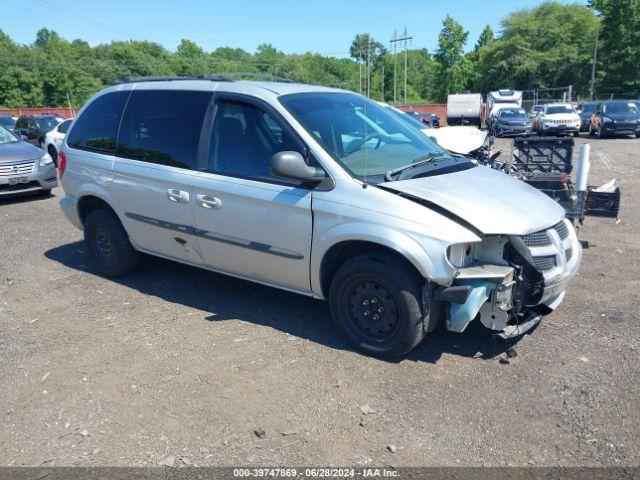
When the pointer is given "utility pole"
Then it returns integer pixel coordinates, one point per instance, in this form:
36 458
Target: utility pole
405 64
592 85
395 66
69 104
404 39
382 87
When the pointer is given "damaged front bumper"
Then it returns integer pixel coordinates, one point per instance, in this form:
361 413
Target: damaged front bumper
493 293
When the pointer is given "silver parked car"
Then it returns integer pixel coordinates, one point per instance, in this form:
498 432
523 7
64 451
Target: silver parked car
24 169
317 191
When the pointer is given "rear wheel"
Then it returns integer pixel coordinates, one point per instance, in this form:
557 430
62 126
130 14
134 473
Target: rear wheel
108 244
375 303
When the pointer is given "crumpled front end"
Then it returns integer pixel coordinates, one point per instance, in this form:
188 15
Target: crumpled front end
509 281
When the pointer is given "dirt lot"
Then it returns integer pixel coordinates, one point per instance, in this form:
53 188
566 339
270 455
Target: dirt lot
177 365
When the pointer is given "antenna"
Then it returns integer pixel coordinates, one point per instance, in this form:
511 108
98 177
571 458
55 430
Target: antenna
366 150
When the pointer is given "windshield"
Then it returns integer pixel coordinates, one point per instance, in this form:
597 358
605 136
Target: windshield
47 123
622 107
365 138
589 107
559 109
510 113
7 137
7 122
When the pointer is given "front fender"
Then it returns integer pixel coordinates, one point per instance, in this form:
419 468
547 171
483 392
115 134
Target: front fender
432 266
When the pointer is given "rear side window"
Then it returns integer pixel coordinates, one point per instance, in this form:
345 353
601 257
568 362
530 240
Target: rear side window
163 127
64 126
97 128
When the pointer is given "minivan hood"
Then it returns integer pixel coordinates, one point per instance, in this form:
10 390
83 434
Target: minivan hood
494 203
16 151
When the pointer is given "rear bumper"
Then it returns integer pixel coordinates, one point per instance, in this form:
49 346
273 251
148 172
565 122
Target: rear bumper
69 206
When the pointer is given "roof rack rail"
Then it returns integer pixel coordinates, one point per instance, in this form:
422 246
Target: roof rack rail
256 76
214 77
211 77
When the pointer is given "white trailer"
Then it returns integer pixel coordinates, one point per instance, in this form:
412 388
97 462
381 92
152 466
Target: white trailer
464 109
504 97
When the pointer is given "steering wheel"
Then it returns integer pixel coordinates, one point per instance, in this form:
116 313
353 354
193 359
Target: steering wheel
356 145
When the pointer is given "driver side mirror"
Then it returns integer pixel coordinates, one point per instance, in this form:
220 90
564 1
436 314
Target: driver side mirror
23 137
291 165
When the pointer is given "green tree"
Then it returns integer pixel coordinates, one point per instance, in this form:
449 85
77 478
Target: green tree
368 51
619 35
452 66
546 46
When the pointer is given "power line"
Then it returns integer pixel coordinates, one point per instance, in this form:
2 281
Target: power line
89 20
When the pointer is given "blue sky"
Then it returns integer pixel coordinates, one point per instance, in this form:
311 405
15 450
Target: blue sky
293 26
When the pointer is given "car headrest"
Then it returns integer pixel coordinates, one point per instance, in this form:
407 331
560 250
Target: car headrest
231 130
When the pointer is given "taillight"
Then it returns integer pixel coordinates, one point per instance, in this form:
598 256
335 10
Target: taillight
62 163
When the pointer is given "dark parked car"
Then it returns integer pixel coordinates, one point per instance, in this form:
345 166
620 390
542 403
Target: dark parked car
8 122
586 110
535 110
33 128
511 122
616 117
430 119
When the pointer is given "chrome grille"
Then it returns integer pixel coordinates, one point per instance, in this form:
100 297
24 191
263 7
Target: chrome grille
568 253
16 169
562 229
546 262
537 239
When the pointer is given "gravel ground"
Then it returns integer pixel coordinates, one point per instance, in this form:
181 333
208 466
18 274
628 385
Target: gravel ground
179 366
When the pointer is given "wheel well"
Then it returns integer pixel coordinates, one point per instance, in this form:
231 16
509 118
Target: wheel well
344 251
89 203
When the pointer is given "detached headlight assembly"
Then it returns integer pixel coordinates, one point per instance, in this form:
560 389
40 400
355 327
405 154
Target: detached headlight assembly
45 160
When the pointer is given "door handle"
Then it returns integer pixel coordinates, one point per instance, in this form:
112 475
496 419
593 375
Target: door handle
207 201
178 196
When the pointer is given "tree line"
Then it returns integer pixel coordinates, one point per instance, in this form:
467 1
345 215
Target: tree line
546 46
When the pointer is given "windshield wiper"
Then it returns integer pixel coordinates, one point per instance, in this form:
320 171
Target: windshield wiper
417 162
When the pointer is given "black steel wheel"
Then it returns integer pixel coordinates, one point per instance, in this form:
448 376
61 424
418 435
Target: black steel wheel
108 244
375 303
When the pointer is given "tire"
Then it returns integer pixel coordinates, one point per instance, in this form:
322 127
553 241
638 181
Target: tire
591 132
378 279
600 131
108 245
53 153
576 134
637 134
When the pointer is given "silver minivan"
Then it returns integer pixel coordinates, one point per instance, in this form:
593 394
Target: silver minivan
317 191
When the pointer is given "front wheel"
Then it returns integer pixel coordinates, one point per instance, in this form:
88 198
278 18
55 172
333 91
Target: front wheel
600 131
375 303
108 245
53 153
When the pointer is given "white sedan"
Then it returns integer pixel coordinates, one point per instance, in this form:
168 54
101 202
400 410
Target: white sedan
53 139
